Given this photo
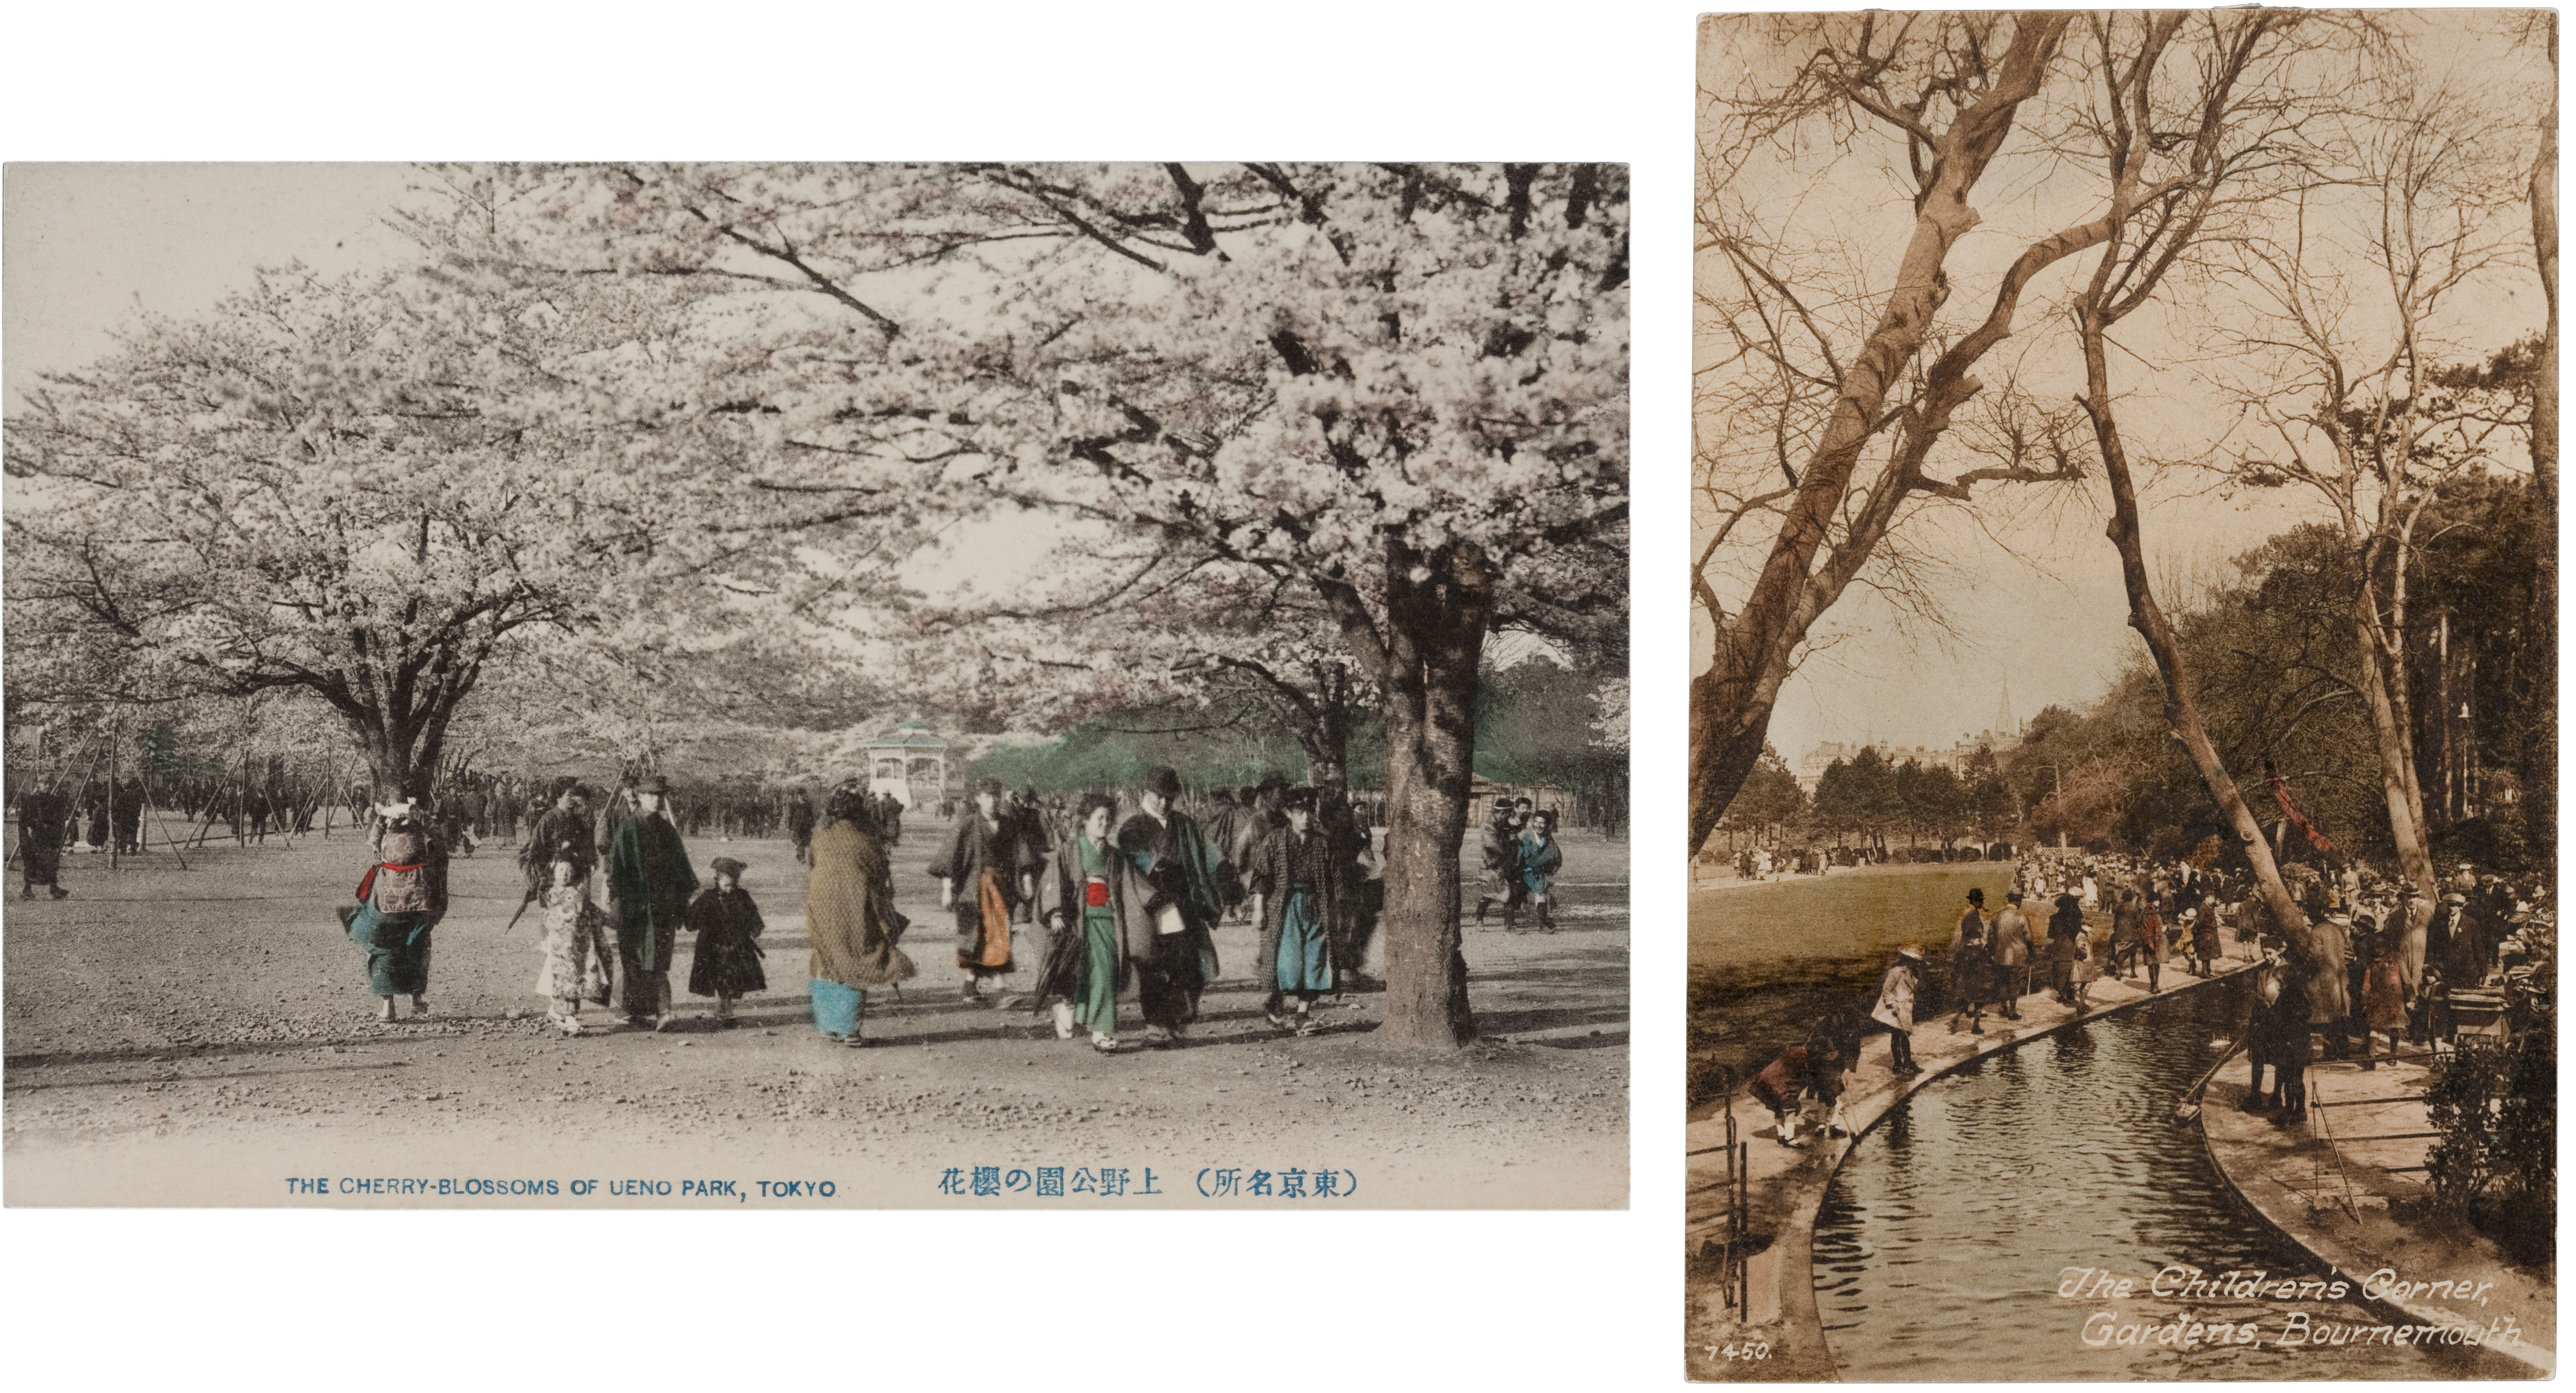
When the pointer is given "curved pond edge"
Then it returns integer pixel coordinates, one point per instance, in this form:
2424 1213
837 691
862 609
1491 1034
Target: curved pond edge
2239 1145
1786 1188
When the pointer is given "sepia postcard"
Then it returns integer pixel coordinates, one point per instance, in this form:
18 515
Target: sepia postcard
865 686
2123 755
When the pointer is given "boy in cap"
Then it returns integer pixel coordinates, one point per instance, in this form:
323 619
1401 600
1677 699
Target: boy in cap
1894 1014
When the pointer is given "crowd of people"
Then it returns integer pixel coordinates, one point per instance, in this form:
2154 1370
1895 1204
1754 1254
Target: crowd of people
1105 909
2379 964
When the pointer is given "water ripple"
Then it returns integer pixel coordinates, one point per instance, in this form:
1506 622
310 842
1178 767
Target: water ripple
1940 1245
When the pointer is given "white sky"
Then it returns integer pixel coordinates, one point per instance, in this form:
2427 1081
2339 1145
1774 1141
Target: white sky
84 247
2034 588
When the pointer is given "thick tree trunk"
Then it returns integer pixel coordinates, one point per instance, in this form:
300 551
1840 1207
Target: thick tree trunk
2182 707
1437 609
1731 703
401 749
2538 767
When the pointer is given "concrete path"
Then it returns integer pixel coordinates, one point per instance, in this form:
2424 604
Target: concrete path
2350 1189
1782 1338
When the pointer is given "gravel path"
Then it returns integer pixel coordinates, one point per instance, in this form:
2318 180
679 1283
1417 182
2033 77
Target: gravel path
199 1036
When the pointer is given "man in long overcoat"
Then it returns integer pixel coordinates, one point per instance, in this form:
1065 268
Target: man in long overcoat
40 843
1181 867
2012 956
649 884
2329 1004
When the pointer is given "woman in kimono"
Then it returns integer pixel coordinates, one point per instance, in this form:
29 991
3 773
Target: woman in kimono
1092 901
400 899
1540 858
850 918
726 963
1298 895
980 874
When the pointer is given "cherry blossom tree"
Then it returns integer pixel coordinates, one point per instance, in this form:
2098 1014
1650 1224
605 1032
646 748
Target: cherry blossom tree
1399 390
375 488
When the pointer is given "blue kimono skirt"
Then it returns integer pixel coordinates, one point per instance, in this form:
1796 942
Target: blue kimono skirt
397 949
1305 964
836 1007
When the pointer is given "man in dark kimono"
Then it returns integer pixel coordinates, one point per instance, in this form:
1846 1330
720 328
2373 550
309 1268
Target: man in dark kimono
800 822
40 843
981 881
649 885
1500 846
1181 867
129 817
1028 826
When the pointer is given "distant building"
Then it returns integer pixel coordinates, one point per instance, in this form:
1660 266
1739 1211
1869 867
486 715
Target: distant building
2001 738
914 765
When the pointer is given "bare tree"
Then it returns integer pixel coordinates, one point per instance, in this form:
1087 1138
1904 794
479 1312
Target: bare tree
2353 291
1814 429
2212 145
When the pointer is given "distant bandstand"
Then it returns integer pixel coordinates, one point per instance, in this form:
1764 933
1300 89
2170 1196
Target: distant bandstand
913 764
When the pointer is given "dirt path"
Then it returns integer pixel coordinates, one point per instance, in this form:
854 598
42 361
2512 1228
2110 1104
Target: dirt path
199 1037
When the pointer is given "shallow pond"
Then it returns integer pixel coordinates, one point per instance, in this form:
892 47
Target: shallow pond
1946 1235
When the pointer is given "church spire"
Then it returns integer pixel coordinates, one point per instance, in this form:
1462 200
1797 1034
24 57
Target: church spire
2004 727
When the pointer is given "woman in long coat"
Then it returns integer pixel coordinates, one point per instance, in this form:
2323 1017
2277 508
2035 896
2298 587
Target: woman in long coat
850 918
1092 899
2065 927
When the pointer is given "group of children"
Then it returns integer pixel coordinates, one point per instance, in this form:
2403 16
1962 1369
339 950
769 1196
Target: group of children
1521 859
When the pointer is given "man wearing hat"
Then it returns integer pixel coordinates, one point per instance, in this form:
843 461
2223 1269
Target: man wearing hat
1181 867
649 884
980 880
2329 996
1971 966
2010 943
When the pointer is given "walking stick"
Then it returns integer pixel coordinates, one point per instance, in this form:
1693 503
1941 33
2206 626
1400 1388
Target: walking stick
144 821
2188 1107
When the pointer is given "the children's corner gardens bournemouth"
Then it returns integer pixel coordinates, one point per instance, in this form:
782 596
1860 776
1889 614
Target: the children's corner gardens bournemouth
2124 709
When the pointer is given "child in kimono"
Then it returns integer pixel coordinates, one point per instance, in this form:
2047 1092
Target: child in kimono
578 945
727 962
